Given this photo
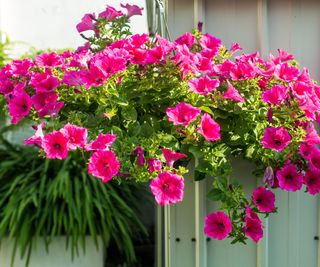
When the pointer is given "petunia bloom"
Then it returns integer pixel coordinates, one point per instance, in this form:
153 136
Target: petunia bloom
232 93
276 138
312 137
110 13
77 136
154 165
312 180
86 24
203 85
217 225
103 165
55 145
102 142
140 153
172 156
182 114
209 129
276 95
19 107
132 10
289 178
253 229
37 138
167 188
263 199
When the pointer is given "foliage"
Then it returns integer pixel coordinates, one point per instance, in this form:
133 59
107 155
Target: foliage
43 199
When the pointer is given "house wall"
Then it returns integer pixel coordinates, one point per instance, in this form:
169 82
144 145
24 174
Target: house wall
264 25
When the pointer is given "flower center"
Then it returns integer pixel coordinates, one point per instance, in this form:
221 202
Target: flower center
57 146
258 200
106 165
24 107
277 142
220 225
165 186
288 177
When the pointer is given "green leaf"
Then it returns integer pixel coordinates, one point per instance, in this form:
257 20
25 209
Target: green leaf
198 176
129 113
196 151
207 109
216 195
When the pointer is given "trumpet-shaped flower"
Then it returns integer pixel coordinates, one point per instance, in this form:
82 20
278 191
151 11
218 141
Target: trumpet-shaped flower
132 10
87 23
203 85
110 13
55 145
312 180
276 95
37 138
167 188
264 199
232 93
19 107
253 229
182 114
289 178
103 165
217 225
77 136
102 142
154 165
172 156
209 129
276 138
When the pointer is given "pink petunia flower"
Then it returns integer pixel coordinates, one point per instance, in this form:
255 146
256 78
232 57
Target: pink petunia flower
102 142
312 137
171 156
87 23
211 43
312 180
203 85
232 93
77 136
264 199
252 215
154 165
140 153
110 13
217 225
209 129
44 82
314 158
306 150
289 178
275 95
55 144
48 60
253 229
132 10
104 165
167 188
286 72
37 138
187 39
19 107
276 138
183 114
